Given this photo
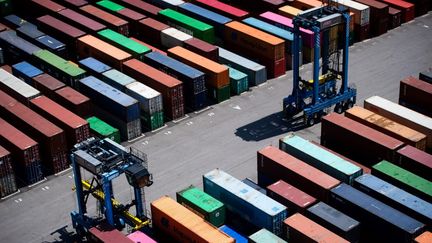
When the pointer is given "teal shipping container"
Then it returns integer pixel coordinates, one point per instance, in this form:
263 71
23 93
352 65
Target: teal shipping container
239 82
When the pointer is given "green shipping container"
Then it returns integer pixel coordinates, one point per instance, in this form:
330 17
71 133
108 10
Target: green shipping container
219 95
238 81
189 25
132 47
209 208
58 67
403 179
103 130
265 236
153 121
110 5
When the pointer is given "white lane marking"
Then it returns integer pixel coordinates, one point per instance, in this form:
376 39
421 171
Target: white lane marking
145 142
211 114
167 132
189 123
426 26
236 107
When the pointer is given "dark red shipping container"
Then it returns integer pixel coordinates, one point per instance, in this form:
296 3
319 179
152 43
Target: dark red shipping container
149 46
142 7
74 3
293 198
40 7
150 30
76 128
415 160
170 88
8 184
80 21
113 22
7 68
274 164
416 94
421 6
202 48
51 139
361 32
357 141
105 233
3 27
407 9
378 16
74 101
395 18
47 84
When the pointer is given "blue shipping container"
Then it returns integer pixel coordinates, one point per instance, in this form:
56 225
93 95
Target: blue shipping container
395 197
53 45
25 71
108 98
236 236
14 21
94 66
253 206
216 20
255 186
380 222
29 32
16 48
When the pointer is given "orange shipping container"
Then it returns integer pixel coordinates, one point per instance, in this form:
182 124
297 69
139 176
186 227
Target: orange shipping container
217 75
426 237
90 46
306 4
302 229
387 126
182 224
289 11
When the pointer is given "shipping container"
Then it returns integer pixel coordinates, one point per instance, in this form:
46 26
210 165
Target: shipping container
188 25
424 238
202 48
379 222
80 21
274 164
172 37
387 126
167 3
25 71
402 115
258 45
25 156
256 6
352 139
223 8
105 233
248 203
3 27
421 6
17 88
38 7
183 225
29 32
301 229
15 48
395 18
403 179
93 66
416 161
140 237
306 4
120 11
294 199
216 20
254 185
426 76
239 82
334 220
150 30
103 130
170 88
74 101
8 183
74 3
7 68
14 21
58 67
220 94
134 48
149 46
289 11
361 18
51 139
90 46
407 9
75 127
319 158
193 79
117 79
142 7
204 205
113 22
265 236
53 45
257 73
233 234
395 197
46 84
379 17
416 95
217 75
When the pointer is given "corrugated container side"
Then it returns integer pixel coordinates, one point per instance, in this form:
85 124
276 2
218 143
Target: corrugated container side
106 233
102 129
74 101
93 66
80 21
202 48
407 9
117 79
172 37
254 185
416 94
151 30
16 87
113 22
25 71
142 7
46 84
395 18
8 183
122 12
416 161
239 82
53 45
15 48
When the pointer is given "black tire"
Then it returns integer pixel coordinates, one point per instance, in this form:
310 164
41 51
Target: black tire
338 108
310 121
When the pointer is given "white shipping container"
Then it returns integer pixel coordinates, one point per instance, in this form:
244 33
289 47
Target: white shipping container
150 100
172 37
17 85
360 10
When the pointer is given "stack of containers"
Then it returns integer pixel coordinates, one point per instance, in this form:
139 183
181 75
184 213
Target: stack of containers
103 130
113 106
46 84
16 87
113 22
25 155
407 9
223 9
202 48
379 16
15 48
25 71
29 31
172 37
142 7
74 101
125 13
416 94
8 183
217 76
289 11
258 45
395 17
155 49
45 6
80 21
193 80
361 18
170 88
239 82
116 79
416 161
93 66
245 202
151 31
229 231
264 235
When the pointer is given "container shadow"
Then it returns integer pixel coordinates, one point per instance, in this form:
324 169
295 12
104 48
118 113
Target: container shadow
67 236
269 126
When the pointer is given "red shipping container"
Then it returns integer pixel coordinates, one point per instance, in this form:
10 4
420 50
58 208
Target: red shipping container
357 141
361 32
223 9
113 22
43 7
202 48
149 46
416 94
7 68
142 7
75 3
378 16
8 183
407 9
74 101
170 88
274 164
3 27
47 84
150 30
296 200
52 139
395 18
416 161
80 21
105 233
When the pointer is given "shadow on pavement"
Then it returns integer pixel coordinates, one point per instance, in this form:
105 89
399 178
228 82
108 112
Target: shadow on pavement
269 126
65 235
